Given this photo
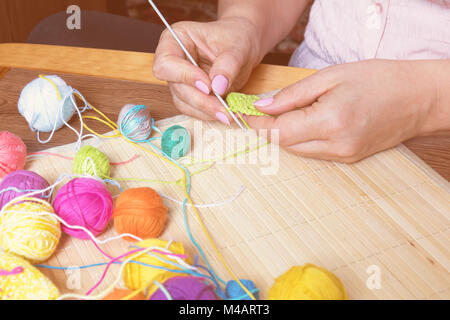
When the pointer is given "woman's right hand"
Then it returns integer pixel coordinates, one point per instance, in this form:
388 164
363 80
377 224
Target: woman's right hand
226 51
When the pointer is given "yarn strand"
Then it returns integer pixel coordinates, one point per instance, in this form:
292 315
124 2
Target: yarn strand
114 126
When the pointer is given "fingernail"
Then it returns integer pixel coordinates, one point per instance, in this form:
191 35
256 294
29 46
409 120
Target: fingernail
245 117
264 102
220 84
222 118
202 86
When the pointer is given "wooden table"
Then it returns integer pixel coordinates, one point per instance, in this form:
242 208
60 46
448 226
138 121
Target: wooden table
110 79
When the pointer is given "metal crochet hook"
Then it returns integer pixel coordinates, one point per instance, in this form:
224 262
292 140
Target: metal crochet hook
193 61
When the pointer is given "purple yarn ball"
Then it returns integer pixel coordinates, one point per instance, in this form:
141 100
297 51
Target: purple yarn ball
22 180
186 288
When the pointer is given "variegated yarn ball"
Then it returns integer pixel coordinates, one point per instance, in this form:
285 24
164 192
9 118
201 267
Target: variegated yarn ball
135 122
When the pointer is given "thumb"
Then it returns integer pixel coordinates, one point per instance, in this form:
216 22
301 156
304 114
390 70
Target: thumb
298 95
224 71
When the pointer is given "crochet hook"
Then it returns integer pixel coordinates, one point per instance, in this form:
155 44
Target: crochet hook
191 59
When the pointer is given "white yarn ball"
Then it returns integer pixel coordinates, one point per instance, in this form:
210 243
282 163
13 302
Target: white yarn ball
40 106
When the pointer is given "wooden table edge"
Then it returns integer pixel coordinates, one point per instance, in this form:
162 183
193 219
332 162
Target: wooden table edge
124 65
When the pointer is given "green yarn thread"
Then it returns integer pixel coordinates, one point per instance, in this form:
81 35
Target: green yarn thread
176 142
243 103
99 166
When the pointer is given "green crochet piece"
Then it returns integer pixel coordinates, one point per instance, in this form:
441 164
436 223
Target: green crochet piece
239 102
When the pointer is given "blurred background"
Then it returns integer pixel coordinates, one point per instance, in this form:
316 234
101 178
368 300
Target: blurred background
38 21
205 10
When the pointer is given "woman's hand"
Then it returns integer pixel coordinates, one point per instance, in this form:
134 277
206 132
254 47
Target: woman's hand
350 111
226 50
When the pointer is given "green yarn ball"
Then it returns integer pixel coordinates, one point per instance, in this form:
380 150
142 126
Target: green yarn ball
89 160
176 142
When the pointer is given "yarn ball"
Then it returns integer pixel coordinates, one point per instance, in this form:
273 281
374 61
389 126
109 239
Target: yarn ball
243 103
141 212
25 281
307 282
42 107
135 122
27 232
84 202
118 294
186 288
137 276
89 160
176 142
23 180
234 290
13 153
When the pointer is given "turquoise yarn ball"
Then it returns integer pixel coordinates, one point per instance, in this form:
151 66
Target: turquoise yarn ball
176 142
40 105
235 292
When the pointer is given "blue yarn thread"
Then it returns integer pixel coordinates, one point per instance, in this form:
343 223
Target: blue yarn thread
188 188
191 272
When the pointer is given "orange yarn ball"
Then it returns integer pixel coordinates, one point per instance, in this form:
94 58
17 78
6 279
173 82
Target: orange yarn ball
141 212
118 294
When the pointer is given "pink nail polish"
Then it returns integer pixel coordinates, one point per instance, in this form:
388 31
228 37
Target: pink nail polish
202 86
264 102
222 118
220 84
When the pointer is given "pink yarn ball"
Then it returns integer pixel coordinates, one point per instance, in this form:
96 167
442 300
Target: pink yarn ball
26 181
84 202
13 153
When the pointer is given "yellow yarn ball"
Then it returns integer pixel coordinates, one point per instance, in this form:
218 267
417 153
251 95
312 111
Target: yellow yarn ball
307 282
137 276
27 231
30 284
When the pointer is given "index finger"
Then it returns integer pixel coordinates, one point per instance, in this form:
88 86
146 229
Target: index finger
171 64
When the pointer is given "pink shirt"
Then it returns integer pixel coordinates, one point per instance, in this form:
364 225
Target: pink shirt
341 31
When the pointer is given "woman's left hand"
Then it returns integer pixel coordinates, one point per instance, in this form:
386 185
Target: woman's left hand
350 111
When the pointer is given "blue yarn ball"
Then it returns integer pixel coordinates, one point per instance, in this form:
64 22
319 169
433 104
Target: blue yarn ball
235 292
40 105
176 142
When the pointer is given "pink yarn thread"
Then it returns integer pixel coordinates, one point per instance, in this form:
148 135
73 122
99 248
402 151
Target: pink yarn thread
13 153
112 260
109 265
135 157
13 272
50 154
182 256
84 202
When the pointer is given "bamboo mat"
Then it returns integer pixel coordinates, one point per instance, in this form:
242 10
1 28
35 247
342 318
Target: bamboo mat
390 211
